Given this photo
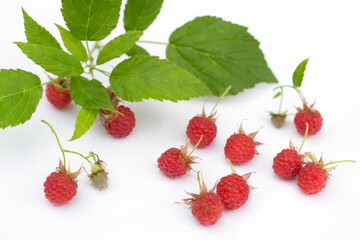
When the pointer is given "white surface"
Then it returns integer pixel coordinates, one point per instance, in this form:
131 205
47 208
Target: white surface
139 203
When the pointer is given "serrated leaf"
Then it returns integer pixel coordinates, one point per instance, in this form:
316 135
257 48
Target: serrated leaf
277 95
91 19
299 72
220 54
118 46
84 120
145 77
36 34
89 94
20 92
137 50
140 14
74 46
53 60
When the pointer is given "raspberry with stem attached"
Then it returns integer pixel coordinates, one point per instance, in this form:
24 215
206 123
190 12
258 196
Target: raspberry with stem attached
58 92
203 125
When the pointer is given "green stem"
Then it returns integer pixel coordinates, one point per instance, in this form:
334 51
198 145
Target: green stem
43 84
232 169
68 151
334 162
153 42
301 95
57 139
281 99
306 133
198 179
221 97
103 72
197 144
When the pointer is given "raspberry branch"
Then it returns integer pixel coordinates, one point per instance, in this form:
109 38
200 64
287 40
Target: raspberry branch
301 95
334 162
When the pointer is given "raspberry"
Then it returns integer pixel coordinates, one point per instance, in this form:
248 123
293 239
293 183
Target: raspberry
201 125
175 162
206 207
204 126
308 115
241 148
57 94
287 164
312 178
119 125
60 187
233 190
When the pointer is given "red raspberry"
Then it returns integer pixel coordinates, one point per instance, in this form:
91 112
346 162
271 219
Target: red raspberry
175 162
60 187
233 190
241 148
119 125
308 115
201 125
287 163
57 94
312 178
206 207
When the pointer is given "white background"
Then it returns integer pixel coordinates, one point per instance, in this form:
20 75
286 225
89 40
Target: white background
139 203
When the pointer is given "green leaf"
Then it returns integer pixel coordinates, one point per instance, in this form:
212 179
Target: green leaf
36 34
118 46
90 94
220 54
84 120
139 14
137 50
53 60
277 95
91 19
299 72
20 93
144 77
74 46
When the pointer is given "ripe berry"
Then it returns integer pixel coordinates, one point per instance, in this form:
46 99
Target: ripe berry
118 125
233 190
203 125
60 186
287 163
58 93
308 115
312 178
176 162
241 148
206 207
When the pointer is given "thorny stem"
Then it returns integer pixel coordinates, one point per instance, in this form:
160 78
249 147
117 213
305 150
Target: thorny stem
153 42
306 133
301 95
221 97
334 162
197 144
91 65
57 139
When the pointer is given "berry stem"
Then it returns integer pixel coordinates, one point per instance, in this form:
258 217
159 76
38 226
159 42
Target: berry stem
197 144
103 72
198 179
86 158
57 139
153 42
334 162
306 133
301 95
281 98
221 97
232 169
